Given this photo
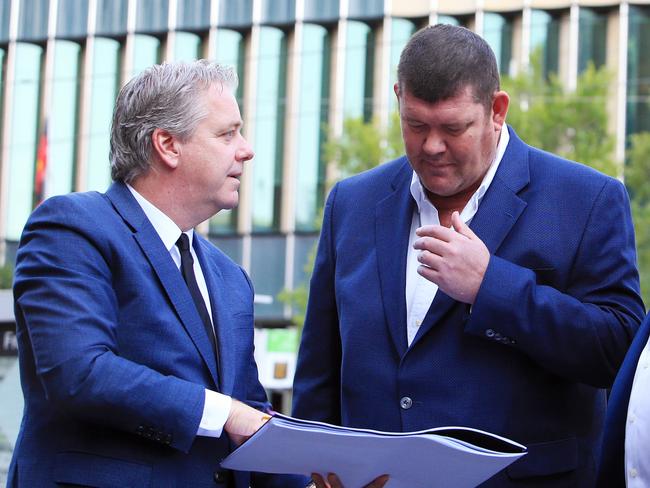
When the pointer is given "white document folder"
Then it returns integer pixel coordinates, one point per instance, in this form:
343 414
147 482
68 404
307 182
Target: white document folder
440 457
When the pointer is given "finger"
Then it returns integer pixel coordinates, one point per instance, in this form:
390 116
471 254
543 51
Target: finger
320 482
334 481
461 227
430 260
436 231
379 482
431 244
430 274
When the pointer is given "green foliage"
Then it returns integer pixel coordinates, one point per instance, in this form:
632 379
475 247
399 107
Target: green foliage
637 175
570 123
6 276
362 146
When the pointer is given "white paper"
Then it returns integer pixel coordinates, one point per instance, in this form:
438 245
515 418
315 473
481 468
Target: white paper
425 459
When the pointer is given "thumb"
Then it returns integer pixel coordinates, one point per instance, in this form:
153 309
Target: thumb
460 226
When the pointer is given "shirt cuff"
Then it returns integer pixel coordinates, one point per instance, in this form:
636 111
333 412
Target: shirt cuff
215 413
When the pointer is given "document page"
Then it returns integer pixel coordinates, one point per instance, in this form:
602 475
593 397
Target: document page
450 456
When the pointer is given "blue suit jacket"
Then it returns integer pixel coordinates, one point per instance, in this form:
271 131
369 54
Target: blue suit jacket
557 309
113 355
611 473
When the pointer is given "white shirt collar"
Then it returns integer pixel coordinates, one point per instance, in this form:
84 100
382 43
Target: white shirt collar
168 231
419 195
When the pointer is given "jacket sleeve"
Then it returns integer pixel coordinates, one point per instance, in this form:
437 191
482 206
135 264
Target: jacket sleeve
67 315
582 332
316 389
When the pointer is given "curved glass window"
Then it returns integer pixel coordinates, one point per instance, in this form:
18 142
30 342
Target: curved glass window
269 129
545 39
312 117
497 31
22 141
359 67
62 123
592 38
638 70
401 31
105 82
187 46
146 52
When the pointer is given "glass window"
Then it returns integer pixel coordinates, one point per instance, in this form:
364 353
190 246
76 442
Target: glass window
269 129
22 142
187 46
447 19
321 10
111 17
497 31
279 11
72 19
32 20
366 9
359 71
231 246
146 52
193 14
62 121
638 70
152 15
312 117
105 82
267 273
401 31
545 39
229 49
592 38
5 8
236 14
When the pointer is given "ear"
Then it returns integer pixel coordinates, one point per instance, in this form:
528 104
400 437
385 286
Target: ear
500 103
397 92
166 146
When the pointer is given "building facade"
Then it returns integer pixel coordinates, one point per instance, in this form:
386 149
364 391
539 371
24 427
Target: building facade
304 66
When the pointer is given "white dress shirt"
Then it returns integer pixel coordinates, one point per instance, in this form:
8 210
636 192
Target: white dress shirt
420 292
217 406
637 428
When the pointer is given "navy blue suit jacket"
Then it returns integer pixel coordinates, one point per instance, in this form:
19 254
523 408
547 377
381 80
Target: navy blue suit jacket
555 314
113 355
611 473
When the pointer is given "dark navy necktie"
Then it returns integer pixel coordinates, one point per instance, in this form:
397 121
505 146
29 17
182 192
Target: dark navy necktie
187 270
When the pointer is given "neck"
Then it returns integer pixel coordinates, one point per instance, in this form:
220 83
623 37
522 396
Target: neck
164 198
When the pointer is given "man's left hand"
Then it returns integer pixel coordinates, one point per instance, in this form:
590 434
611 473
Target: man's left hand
454 259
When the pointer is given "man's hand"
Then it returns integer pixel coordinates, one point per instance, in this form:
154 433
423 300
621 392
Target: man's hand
334 482
454 259
243 421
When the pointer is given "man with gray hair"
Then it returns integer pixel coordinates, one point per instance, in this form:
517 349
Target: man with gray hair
135 334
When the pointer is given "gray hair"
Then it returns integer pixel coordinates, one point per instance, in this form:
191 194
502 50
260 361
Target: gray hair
166 96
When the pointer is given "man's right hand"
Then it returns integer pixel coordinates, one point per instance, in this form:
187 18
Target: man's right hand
334 482
243 421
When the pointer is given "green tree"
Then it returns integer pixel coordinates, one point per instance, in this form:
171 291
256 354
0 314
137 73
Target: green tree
570 123
6 276
637 175
362 146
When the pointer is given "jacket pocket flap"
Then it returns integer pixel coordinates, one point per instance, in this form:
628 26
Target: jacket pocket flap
546 458
98 471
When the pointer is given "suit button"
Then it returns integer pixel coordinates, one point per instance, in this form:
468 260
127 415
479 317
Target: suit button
220 477
140 430
489 333
406 403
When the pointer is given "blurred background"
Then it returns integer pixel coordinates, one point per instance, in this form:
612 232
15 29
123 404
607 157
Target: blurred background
316 94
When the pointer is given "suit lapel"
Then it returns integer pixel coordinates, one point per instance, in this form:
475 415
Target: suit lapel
392 227
499 210
164 267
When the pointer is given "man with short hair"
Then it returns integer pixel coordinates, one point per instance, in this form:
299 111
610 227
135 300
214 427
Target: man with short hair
477 281
135 334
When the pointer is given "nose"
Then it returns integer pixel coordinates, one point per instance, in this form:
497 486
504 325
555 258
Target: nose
434 143
245 151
